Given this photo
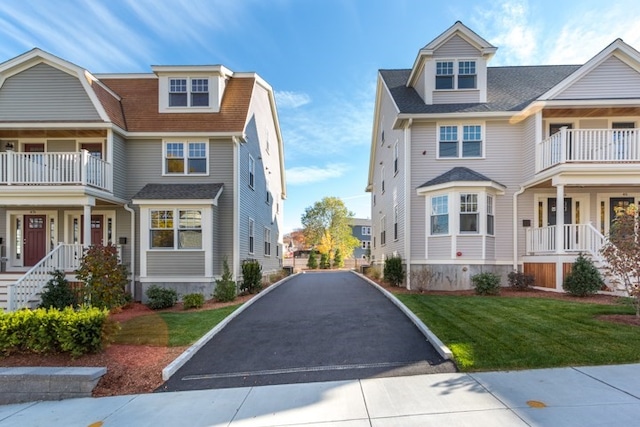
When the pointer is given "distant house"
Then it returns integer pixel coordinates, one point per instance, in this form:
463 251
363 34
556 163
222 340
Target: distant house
181 167
361 230
476 168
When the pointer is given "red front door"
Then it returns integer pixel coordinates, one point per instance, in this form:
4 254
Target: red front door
97 222
35 239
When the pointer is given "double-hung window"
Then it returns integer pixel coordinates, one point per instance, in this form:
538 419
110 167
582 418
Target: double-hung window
490 217
452 75
185 158
396 152
252 171
267 241
458 141
176 229
251 234
366 231
440 215
185 92
396 216
383 230
469 214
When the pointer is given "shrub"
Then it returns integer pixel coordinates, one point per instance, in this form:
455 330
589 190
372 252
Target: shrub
104 276
584 279
422 278
324 261
192 301
520 280
374 272
225 290
57 292
486 283
251 276
87 330
159 298
338 261
393 271
312 263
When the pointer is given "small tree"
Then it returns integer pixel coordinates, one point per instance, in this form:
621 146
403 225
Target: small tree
225 290
584 279
104 276
621 252
312 263
251 276
57 292
393 271
324 261
338 262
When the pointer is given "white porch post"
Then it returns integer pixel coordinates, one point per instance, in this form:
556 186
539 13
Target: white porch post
559 234
86 223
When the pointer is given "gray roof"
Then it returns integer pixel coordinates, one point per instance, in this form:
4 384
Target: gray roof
178 191
508 89
458 174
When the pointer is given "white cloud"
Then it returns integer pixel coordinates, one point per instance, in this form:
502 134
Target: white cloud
300 175
287 99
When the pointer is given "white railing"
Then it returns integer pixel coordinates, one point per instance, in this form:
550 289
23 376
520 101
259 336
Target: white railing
55 169
588 146
577 238
64 257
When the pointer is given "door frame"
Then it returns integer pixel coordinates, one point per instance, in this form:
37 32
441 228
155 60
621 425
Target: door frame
71 215
604 217
540 213
13 261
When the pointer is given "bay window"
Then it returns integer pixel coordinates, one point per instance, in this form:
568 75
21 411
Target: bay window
490 217
440 215
469 213
175 229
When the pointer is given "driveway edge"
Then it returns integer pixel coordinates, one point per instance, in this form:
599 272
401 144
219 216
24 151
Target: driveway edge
171 368
444 351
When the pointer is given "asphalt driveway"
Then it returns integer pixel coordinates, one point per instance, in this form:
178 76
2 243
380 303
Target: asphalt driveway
315 327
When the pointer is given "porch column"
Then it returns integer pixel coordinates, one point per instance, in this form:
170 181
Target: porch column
560 219
86 224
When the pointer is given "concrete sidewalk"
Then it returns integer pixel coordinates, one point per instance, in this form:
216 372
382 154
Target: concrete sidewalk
582 396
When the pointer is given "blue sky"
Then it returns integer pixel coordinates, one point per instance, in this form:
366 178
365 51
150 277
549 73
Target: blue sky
320 56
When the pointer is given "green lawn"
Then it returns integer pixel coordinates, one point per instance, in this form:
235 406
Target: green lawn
172 329
502 333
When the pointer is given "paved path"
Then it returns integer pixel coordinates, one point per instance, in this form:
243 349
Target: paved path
315 327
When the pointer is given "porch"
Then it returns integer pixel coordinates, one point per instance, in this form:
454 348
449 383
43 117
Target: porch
68 168
588 146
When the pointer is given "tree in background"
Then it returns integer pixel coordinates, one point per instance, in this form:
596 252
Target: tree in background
327 226
622 254
312 263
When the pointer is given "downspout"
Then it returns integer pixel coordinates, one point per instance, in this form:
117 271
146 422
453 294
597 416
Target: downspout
133 252
407 199
515 227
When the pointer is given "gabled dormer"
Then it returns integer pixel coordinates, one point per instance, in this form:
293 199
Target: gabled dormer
191 89
452 69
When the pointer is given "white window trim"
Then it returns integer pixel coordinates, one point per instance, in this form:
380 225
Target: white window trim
251 235
185 142
456 73
396 158
215 91
460 126
267 242
176 215
430 210
252 172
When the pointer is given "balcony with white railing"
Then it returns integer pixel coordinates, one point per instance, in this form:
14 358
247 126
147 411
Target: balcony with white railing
578 238
74 168
588 146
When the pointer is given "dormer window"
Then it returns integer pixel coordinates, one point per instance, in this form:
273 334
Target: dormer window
447 78
181 96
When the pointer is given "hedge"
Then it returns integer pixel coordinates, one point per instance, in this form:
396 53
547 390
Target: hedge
87 330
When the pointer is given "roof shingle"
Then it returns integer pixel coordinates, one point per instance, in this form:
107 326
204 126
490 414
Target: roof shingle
178 192
458 174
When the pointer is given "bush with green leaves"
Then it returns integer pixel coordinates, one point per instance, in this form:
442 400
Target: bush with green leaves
486 283
57 292
225 290
159 298
584 278
251 276
86 330
104 276
312 262
192 301
324 261
393 271
521 281
338 261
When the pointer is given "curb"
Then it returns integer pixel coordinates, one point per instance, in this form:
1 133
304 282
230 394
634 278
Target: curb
444 351
171 368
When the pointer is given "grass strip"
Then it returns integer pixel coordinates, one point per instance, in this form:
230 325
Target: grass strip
171 329
502 333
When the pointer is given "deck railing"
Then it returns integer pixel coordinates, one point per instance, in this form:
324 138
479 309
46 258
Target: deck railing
75 168
588 146
64 257
577 238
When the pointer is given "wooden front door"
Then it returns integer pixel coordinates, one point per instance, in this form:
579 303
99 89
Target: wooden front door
551 211
97 229
35 239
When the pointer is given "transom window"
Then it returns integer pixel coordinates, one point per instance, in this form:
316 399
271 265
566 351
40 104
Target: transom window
185 158
446 77
181 94
176 229
440 214
468 213
450 145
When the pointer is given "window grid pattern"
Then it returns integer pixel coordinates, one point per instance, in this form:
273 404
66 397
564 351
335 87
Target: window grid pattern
267 241
196 159
251 235
468 213
490 217
440 214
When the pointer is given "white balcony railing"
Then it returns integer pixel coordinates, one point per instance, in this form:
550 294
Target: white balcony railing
583 238
588 146
77 168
